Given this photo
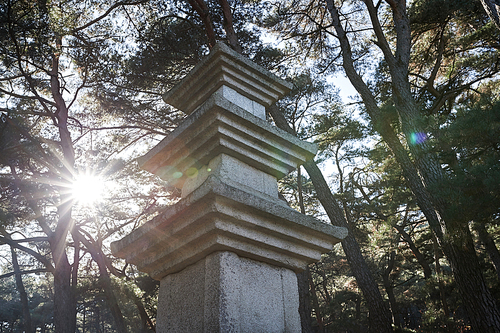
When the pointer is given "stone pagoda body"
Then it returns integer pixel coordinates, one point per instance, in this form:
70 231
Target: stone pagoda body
228 252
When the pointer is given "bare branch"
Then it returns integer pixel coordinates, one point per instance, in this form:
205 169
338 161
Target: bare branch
36 255
31 271
107 12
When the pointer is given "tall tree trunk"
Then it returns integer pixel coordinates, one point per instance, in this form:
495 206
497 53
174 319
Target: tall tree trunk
442 292
477 299
64 293
303 278
380 316
64 300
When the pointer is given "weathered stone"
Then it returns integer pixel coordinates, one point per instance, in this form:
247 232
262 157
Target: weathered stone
220 217
227 293
233 172
219 126
225 67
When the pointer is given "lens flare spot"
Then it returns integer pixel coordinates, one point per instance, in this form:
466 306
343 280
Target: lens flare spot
192 173
417 138
177 175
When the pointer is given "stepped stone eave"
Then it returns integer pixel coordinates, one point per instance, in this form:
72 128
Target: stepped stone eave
276 151
217 217
224 66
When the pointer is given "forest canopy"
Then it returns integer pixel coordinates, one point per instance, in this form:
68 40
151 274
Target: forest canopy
410 163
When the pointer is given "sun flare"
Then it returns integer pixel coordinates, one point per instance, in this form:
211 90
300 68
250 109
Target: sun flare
88 189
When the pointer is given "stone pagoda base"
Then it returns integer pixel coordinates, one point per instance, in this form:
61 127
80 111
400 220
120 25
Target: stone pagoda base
227 293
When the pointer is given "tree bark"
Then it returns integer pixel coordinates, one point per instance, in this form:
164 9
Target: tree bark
317 310
442 293
228 26
147 323
201 8
64 300
492 8
380 316
105 280
305 309
111 300
299 189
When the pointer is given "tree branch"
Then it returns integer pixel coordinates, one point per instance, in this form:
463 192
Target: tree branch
31 271
381 40
201 8
229 27
36 255
107 12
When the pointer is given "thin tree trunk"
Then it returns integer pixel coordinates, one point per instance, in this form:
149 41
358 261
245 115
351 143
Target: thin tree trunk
201 8
147 323
315 302
489 245
416 252
328 297
442 292
228 26
303 278
111 300
390 289
28 328
105 280
380 316
299 188
305 309
84 323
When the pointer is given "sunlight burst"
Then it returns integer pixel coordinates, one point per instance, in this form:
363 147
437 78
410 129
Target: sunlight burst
88 189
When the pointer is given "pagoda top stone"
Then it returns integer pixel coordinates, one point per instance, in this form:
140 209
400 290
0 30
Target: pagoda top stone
225 67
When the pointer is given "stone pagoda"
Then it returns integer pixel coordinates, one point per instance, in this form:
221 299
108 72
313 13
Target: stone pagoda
228 251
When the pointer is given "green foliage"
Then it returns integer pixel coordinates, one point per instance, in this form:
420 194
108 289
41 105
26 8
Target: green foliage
41 305
472 160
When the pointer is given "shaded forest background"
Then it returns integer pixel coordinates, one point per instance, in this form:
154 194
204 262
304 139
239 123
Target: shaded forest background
411 162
